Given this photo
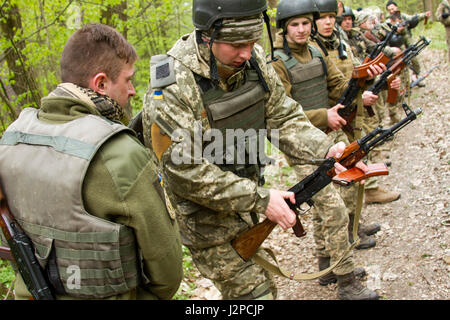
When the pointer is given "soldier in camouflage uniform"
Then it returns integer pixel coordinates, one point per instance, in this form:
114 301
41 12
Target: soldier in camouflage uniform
312 80
405 32
217 77
395 110
362 43
332 44
443 15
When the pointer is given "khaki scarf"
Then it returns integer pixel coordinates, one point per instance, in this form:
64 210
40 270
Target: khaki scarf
106 106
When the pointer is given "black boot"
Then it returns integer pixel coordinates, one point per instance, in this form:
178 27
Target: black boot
329 278
365 242
351 289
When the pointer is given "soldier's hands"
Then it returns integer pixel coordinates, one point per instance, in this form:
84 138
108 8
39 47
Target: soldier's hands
337 151
375 70
335 121
396 84
278 211
369 98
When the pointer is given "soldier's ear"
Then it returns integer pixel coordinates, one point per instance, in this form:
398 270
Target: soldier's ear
99 83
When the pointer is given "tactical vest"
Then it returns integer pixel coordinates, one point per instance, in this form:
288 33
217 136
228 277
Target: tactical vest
308 80
344 65
241 111
42 168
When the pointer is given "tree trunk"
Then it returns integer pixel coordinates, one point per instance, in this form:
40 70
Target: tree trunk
120 11
20 75
108 17
428 5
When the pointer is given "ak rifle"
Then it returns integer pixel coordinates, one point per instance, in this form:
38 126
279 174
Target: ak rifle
395 66
358 80
247 243
420 79
21 249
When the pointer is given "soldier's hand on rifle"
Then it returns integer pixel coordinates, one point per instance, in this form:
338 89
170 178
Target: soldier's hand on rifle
335 121
396 50
337 151
369 98
396 84
375 70
278 211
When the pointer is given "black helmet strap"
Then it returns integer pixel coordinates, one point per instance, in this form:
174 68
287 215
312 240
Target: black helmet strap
212 60
267 22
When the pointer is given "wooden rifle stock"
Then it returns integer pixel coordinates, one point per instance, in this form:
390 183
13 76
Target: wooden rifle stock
5 254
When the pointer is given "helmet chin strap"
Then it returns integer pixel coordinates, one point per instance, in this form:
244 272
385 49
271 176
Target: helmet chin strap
214 74
267 22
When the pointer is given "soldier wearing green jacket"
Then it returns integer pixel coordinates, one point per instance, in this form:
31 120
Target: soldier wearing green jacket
83 187
217 80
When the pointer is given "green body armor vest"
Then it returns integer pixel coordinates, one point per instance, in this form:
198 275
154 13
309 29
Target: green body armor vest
42 170
243 111
308 80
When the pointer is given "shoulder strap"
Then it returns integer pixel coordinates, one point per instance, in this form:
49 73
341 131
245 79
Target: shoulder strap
315 53
289 61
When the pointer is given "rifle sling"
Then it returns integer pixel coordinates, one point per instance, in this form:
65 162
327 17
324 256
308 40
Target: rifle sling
276 269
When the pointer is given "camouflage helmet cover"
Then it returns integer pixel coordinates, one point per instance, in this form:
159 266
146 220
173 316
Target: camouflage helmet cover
290 8
206 12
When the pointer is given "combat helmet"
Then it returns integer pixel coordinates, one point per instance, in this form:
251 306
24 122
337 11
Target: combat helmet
208 15
206 12
348 12
327 5
290 8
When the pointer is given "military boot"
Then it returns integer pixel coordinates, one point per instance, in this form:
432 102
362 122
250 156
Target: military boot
349 288
380 195
365 242
368 229
324 262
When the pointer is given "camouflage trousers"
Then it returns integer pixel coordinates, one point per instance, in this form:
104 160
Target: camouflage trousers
332 206
232 276
330 224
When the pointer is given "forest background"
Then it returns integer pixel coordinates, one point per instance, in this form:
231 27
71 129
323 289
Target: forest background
33 34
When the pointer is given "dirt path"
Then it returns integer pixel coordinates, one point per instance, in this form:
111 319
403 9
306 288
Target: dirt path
412 257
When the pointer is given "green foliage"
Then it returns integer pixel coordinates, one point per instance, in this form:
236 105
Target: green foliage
406 6
190 274
7 276
151 26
